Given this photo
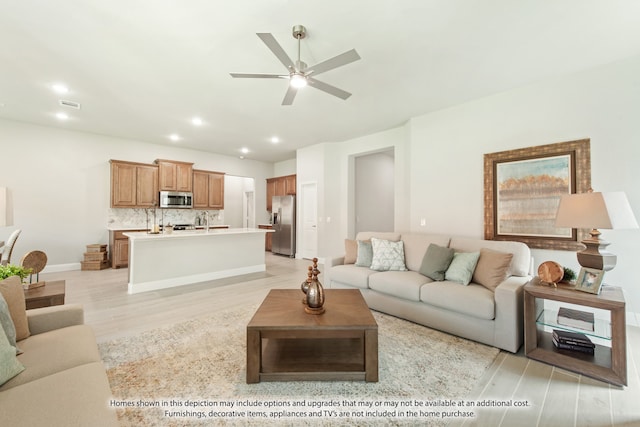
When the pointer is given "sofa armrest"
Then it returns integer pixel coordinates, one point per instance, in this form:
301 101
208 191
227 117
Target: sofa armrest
509 300
55 317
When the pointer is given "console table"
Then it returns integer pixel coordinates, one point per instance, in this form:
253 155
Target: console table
609 361
45 296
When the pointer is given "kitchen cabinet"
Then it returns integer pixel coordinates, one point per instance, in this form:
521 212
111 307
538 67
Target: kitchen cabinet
208 190
280 186
175 176
119 248
133 185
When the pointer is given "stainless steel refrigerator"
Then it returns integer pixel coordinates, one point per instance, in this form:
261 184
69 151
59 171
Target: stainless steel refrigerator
283 216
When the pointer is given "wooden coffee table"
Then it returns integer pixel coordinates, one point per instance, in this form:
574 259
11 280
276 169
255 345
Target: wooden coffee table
286 344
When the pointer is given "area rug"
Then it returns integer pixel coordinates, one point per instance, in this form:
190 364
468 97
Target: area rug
193 373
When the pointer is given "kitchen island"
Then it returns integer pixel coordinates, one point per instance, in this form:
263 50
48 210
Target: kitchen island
158 261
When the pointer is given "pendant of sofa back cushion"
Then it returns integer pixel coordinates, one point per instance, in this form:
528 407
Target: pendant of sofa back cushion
365 253
462 267
10 366
7 323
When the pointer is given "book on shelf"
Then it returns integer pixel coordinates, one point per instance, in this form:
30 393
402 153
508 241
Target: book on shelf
572 338
579 348
576 318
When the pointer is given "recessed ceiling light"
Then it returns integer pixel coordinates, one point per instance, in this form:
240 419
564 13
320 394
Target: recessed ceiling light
244 150
241 157
62 116
196 121
59 88
275 139
174 137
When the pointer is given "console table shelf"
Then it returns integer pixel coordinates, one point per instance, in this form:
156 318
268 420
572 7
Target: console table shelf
609 362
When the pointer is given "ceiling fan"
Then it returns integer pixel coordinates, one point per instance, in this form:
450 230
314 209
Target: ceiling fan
299 74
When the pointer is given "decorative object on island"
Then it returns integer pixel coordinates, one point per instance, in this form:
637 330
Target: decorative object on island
589 280
315 292
34 261
595 210
550 272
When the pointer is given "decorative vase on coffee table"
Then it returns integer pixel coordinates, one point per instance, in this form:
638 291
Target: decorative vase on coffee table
315 292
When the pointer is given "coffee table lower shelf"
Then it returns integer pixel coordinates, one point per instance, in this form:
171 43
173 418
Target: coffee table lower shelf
313 360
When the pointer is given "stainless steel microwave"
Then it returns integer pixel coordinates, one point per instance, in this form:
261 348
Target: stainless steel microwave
176 199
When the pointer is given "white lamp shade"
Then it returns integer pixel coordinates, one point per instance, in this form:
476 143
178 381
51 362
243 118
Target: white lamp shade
595 210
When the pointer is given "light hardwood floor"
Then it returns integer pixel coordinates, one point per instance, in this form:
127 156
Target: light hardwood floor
556 397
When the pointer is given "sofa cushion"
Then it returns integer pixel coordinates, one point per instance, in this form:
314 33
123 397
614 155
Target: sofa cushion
436 261
76 397
416 244
462 266
365 253
473 300
492 268
11 289
351 275
9 364
401 284
387 255
350 251
520 264
55 351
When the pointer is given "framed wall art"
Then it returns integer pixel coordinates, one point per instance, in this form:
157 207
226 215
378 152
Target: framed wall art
522 189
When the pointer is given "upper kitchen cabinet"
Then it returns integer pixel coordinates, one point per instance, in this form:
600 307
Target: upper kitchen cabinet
208 190
175 176
280 186
133 185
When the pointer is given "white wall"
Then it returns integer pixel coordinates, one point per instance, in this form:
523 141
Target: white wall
439 159
374 195
59 184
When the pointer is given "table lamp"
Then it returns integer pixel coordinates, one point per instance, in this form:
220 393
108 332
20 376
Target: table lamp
594 210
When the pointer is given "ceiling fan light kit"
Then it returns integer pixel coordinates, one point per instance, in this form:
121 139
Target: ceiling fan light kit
299 74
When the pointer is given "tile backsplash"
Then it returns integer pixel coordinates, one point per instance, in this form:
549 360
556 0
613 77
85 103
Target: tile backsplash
139 218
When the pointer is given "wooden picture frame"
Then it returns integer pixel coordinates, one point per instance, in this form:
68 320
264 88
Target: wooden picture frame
522 189
589 280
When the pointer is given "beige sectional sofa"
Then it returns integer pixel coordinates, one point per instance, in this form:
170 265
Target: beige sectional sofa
490 314
64 382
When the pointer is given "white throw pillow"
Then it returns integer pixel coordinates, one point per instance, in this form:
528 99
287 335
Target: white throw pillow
387 255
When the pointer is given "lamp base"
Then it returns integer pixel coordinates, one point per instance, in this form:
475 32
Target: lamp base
595 255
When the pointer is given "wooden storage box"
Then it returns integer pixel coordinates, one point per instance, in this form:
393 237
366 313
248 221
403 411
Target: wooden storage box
95 256
94 265
97 248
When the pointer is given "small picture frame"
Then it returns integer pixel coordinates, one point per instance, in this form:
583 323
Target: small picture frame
589 280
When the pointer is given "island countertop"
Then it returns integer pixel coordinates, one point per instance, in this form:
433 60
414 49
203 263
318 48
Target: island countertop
181 234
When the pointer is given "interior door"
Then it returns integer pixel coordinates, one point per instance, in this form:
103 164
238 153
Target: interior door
309 220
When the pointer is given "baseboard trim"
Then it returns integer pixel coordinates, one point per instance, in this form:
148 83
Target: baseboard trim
56 268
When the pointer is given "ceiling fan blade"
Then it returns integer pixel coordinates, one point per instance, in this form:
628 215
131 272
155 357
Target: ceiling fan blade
335 62
290 95
277 50
328 88
259 76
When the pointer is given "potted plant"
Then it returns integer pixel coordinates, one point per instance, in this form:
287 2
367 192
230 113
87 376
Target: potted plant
14 270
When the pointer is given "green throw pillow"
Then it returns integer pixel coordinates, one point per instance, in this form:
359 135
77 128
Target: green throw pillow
365 253
10 366
435 262
462 267
6 323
